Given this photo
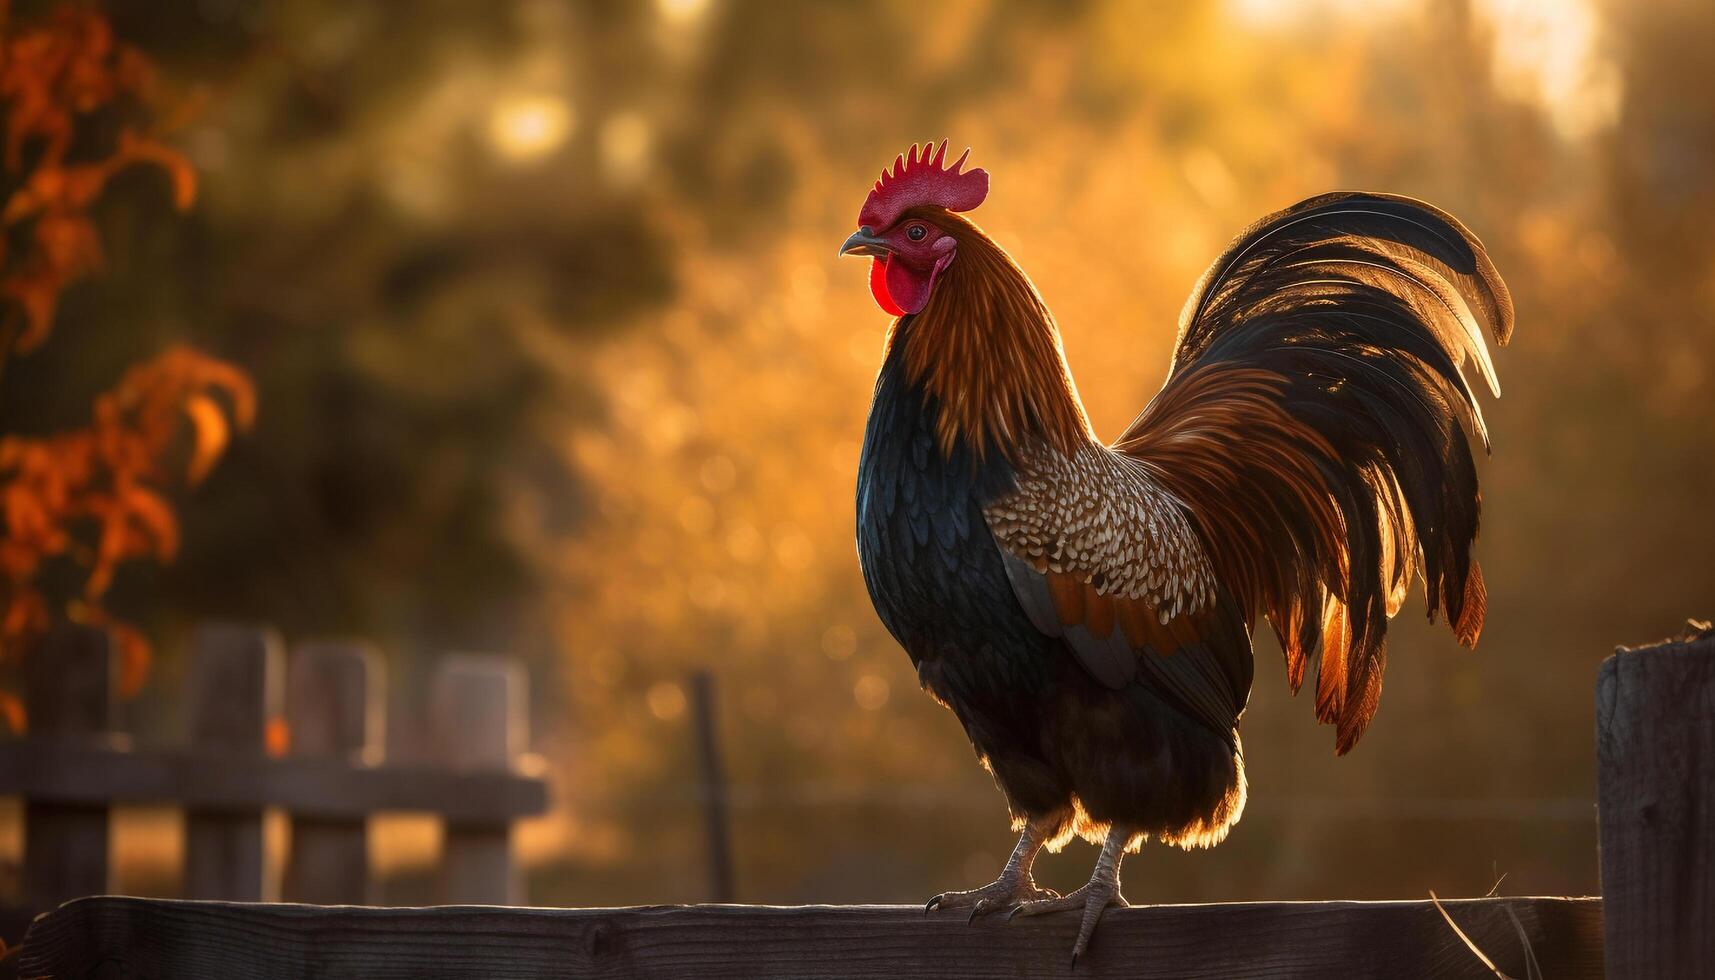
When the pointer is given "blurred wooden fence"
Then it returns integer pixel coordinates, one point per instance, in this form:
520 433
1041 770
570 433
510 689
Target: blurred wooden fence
1655 737
303 733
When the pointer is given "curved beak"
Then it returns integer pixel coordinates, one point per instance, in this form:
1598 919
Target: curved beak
864 242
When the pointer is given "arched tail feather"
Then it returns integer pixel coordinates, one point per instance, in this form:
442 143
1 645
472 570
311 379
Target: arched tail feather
1316 425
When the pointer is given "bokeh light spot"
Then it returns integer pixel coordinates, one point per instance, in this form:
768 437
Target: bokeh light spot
718 473
870 692
681 11
523 128
625 144
839 642
744 543
666 701
696 514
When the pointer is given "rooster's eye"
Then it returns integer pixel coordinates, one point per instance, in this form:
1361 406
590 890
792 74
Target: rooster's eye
916 233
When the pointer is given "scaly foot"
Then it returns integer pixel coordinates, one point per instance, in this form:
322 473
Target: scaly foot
1007 891
1014 885
1093 898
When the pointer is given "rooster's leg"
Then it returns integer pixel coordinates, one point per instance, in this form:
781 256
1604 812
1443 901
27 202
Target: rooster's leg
1014 885
1092 898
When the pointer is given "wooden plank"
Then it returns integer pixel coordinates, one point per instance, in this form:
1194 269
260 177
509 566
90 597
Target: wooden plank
50 769
235 684
1655 750
478 709
69 689
334 711
1398 940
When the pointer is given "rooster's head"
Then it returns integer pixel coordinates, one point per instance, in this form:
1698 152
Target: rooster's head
897 228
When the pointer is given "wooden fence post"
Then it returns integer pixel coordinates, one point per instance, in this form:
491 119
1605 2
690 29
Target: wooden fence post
234 687
717 827
69 689
1655 749
333 708
479 715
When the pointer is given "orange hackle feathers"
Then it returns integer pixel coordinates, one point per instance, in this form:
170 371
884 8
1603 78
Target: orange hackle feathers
986 347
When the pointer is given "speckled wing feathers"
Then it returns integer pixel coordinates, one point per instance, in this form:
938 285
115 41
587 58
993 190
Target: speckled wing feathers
1101 519
1101 556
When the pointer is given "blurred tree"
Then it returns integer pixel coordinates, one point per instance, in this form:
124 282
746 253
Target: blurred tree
406 286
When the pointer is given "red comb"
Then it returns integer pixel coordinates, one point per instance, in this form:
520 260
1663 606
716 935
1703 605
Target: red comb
915 179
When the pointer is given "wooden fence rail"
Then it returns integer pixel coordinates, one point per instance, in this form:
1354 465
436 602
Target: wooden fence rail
302 733
1397 940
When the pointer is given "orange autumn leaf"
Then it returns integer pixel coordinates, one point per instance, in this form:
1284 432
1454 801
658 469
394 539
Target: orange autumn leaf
38 297
96 497
12 710
109 551
69 242
134 657
53 75
152 515
239 389
26 515
134 148
108 482
26 612
209 423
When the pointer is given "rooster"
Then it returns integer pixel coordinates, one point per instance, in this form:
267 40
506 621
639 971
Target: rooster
1085 610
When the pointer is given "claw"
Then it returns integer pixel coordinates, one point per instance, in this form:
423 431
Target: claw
1012 887
1096 904
1072 901
1095 897
989 899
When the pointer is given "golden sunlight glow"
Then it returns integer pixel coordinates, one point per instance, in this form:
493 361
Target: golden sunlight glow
1544 51
1549 54
529 127
1275 13
681 11
625 143
722 468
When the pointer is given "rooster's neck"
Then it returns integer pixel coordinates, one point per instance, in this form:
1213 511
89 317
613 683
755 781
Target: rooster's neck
987 349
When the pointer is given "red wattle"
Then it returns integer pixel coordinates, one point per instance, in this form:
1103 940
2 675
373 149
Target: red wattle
878 288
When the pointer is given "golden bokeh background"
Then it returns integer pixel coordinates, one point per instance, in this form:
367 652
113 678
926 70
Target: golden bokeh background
555 358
